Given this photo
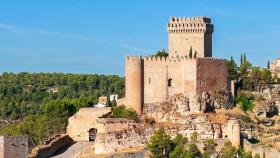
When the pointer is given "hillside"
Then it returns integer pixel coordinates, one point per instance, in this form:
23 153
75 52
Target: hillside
44 101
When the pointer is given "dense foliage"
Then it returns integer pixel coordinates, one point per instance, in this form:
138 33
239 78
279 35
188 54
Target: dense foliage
162 146
122 112
44 101
23 94
249 77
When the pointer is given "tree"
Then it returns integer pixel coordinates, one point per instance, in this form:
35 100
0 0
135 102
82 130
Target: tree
244 69
209 146
193 151
178 147
161 53
241 59
108 101
228 151
244 58
190 53
160 144
268 64
232 69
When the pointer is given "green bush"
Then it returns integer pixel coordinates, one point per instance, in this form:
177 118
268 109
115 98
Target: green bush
246 118
245 103
122 112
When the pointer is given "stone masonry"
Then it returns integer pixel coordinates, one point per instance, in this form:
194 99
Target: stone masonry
153 79
13 146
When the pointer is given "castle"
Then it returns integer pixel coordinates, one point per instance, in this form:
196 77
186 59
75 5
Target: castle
167 91
189 69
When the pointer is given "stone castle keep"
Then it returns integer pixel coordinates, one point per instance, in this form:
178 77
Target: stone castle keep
153 79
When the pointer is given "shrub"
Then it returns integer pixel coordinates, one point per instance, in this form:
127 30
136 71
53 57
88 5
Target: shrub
160 144
246 118
122 112
245 103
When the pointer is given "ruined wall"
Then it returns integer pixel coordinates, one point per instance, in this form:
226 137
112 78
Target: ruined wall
211 75
85 119
263 151
123 134
47 150
186 33
119 133
13 146
105 125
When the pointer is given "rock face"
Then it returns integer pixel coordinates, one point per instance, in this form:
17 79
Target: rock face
182 105
269 105
46 150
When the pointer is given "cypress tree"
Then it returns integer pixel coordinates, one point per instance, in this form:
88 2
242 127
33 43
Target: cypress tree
268 64
241 59
190 53
244 58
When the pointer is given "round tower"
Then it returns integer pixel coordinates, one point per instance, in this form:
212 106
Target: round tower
234 132
133 83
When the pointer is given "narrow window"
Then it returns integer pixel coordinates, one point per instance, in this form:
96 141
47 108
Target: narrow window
169 82
149 80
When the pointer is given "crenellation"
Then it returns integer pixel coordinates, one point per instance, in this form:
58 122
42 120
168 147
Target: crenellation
152 79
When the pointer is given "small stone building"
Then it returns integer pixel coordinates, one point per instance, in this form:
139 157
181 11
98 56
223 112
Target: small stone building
189 69
275 67
13 146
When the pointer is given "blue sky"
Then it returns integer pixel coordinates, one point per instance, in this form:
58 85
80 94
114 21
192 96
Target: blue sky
94 36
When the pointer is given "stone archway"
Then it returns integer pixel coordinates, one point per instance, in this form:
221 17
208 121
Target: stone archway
92 134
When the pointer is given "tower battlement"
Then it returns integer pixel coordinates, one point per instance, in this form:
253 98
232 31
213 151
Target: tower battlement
186 33
190 25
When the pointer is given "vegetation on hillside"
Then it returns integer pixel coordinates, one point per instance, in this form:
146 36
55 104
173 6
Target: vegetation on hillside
162 146
249 78
44 101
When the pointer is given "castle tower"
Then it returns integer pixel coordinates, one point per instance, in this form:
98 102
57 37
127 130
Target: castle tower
189 33
134 83
234 132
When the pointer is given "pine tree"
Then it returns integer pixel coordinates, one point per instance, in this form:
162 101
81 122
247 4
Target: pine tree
241 59
190 53
244 58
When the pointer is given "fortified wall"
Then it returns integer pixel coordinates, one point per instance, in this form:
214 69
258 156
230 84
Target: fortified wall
14 146
154 79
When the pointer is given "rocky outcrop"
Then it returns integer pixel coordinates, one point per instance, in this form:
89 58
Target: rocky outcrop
269 104
182 105
46 150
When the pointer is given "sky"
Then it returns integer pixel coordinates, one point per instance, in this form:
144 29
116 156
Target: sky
94 36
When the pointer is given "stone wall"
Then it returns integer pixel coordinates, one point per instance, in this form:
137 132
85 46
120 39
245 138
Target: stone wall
13 146
264 152
44 151
119 134
85 119
211 75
